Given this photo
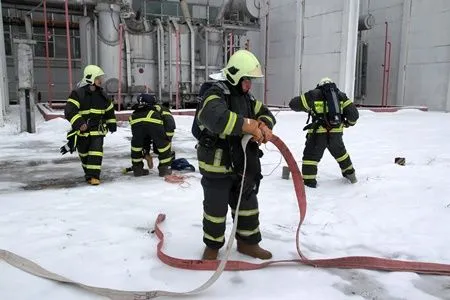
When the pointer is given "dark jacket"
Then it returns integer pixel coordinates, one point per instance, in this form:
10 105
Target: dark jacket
93 108
168 120
312 101
220 117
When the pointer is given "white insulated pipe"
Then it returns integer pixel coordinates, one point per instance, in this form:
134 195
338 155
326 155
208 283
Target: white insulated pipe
206 54
187 16
349 46
128 57
170 61
222 10
95 40
192 31
161 67
109 43
177 62
185 10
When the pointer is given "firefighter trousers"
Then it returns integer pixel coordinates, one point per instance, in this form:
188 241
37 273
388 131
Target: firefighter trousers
143 135
90 150
314 148
219 193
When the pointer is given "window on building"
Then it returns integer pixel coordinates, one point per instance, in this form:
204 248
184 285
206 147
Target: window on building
152 8
170 8
14 28
40 47
57 40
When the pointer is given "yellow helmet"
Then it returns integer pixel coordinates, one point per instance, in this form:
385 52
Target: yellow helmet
242 63
324 81
91 72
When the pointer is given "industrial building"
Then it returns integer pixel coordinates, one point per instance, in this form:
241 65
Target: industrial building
383 53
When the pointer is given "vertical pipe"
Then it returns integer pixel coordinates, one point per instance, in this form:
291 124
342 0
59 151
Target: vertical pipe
388 71
206 53
192 32
4 91
207 12
28 26
161 56
69 52
349 34
47 59
170 63
160 66
404 45
384 65
266 53
163 60
221 13
119 92
128 56
178 68
225 37
96 40
302 47
231 44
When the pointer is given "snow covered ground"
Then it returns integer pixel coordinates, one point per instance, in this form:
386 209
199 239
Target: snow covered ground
98 235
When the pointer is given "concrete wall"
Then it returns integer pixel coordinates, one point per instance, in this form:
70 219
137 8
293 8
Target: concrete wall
420 57
282 64
308 41
427 53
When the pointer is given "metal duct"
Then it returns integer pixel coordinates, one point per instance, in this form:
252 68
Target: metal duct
222 10
109 44
185 10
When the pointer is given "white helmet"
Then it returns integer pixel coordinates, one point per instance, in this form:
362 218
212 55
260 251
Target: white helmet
324 80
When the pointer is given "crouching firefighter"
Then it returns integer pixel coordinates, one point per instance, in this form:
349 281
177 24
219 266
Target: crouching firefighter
227 112
91 114
169 127
331 111
147 126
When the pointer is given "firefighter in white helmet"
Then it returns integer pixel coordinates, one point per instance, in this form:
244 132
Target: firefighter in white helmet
331 111
227 111
91 114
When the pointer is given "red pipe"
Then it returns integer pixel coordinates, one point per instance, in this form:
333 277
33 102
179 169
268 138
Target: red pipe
69 54
388 71
177 99
119 92
383 92
47 59
231 44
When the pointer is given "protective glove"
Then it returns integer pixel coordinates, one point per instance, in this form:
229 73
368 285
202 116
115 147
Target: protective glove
251 126
266 131
64 149
71 144
83 127
112 127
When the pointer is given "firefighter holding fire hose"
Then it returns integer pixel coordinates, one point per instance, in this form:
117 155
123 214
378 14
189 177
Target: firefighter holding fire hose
226 112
